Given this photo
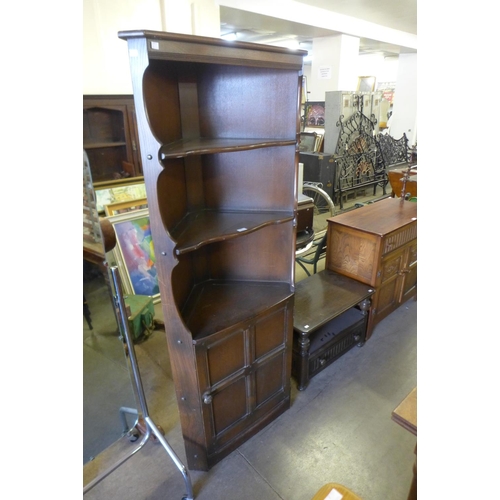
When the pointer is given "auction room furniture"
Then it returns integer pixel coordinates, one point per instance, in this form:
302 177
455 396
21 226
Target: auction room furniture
330 318
377 245
406 416
396 179
320 167
110 137
318 252
219 123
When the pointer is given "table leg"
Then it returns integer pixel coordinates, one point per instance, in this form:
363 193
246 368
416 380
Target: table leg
304 345
365 307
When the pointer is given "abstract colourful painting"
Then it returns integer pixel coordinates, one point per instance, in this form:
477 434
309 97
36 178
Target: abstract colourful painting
134 253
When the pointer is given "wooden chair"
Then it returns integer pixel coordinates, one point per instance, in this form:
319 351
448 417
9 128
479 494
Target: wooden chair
319 253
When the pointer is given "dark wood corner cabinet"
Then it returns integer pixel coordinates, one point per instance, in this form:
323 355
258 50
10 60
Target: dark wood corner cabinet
218 124
110 137
377 245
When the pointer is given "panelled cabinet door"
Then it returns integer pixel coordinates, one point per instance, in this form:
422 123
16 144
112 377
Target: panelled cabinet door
410 273
390 286
243 375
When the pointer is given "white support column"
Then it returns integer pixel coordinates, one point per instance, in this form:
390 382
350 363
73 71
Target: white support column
191 17
404 113
334 65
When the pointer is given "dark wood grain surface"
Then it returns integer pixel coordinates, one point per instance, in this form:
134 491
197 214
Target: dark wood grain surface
379 218
325 295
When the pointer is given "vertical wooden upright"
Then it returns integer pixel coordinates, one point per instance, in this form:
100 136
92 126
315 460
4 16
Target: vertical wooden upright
218 127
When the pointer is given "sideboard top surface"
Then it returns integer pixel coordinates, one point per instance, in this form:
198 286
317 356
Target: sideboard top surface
379 218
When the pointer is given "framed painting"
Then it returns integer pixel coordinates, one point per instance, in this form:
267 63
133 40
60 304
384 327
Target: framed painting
134 253
366 84
307 142
315 114
304 90
118 191
125 206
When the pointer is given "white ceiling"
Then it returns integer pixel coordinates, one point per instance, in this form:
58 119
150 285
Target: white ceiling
400 15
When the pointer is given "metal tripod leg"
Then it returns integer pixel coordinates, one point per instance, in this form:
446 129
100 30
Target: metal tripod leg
150 425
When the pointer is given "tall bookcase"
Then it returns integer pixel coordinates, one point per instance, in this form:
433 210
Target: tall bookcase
218 129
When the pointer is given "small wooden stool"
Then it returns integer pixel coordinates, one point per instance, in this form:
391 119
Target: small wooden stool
334 491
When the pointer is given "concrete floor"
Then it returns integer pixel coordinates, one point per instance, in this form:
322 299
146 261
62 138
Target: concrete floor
338 430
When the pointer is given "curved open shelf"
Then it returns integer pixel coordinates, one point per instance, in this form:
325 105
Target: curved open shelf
209 226
200 146
215 305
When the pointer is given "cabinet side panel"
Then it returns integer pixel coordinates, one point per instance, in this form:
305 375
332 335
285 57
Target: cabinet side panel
246 102
172 195
351 253
161 101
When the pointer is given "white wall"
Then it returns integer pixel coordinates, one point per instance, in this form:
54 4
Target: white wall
105 56
333 66
106 65
384 69
404 118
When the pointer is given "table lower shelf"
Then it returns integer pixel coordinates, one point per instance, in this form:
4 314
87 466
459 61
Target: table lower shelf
323 346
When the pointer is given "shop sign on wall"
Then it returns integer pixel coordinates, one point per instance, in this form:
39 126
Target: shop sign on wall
325 73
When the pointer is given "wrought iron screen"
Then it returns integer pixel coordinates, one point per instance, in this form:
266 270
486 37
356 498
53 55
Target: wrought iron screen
394 151
359 159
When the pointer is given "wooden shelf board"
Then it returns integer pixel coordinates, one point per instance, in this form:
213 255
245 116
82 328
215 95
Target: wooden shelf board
200 146
209 226
98 145
215 305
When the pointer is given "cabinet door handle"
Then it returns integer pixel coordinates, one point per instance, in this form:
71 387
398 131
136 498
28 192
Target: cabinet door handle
207 398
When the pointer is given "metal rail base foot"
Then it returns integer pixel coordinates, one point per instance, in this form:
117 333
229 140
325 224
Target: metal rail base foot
151 428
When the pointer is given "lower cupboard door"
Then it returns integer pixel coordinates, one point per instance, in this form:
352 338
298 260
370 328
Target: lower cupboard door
244 374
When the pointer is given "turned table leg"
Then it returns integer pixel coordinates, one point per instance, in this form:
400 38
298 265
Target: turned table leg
364 305
304 345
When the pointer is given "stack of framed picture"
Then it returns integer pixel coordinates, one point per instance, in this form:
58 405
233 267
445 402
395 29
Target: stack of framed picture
134 253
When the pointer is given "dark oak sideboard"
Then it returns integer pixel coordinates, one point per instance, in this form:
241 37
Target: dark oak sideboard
377 245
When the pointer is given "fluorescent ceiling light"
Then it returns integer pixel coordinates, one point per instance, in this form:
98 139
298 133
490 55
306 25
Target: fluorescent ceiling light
230 36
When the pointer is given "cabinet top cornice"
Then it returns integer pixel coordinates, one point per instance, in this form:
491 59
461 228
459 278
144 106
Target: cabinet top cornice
205 40
194 48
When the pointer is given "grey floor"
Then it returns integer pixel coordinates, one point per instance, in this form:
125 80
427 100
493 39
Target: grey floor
338 430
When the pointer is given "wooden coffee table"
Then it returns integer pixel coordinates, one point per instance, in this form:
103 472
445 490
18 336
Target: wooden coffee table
330 317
